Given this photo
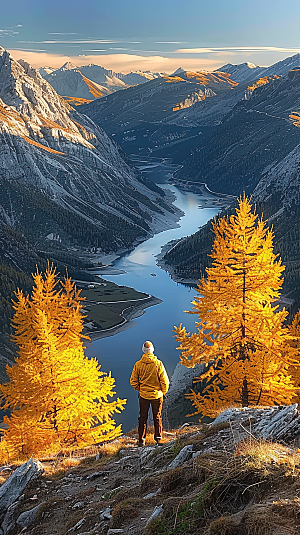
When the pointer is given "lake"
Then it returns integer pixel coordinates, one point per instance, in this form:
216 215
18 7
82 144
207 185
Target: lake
118 353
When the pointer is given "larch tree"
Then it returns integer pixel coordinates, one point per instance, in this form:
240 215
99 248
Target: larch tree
295 344
58 397
240 334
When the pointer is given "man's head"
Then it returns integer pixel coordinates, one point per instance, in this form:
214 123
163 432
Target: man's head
147 347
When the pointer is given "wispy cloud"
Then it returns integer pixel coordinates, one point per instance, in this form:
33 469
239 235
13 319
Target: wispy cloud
235 49
10 33
69 41
169 42
63 33
30 50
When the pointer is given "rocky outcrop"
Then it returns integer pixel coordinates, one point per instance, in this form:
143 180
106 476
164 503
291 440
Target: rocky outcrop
280 424
12 490
63 181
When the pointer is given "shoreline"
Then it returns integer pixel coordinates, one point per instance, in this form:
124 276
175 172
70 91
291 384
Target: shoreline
130 313
159 262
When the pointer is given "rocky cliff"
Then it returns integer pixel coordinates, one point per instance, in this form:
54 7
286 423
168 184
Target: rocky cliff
63 181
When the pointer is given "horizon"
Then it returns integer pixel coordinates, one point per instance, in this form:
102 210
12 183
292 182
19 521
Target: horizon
60 61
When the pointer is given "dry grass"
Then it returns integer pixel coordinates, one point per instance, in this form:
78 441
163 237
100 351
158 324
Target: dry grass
261 454
125 511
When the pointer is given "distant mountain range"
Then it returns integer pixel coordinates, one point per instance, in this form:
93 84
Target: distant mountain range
141 117
91 81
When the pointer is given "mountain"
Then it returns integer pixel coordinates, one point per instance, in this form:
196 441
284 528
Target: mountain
63 181
257 133
91 81
243 71
72 83
246 72
140 117
277 196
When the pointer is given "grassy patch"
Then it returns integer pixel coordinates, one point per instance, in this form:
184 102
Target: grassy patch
125 511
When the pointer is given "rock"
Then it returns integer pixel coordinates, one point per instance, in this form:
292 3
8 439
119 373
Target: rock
131 463
9 523
27 518
94 475
78 525
145 453
78 505
156 512
152 494
112 531
281 423
106 515
12 489
183 455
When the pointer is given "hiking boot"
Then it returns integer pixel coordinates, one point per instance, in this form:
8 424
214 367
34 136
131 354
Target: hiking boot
157 440
141 443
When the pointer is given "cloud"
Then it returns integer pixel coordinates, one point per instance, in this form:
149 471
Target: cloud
75 41
117 62
169 42
63 33
235 49
8 32
19 26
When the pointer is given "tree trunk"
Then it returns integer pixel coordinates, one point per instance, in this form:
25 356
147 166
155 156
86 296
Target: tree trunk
245 397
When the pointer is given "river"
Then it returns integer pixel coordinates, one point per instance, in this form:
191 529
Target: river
118 353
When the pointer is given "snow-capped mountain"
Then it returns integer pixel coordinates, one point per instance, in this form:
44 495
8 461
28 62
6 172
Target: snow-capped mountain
92 81
246 72
243 71
72 83
63 181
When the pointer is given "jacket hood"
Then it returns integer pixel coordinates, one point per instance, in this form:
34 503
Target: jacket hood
149 358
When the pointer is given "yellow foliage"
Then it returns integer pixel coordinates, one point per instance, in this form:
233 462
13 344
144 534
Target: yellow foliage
240 334
295 118
262 81
58 397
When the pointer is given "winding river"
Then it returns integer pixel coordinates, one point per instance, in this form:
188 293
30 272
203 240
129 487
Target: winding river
118 353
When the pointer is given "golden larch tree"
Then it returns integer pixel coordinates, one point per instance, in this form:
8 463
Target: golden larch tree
295 343
240 333
58 397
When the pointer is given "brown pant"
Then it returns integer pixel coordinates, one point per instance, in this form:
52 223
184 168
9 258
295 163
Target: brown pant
156 409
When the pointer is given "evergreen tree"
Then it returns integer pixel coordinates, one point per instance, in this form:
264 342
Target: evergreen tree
240 334
58 397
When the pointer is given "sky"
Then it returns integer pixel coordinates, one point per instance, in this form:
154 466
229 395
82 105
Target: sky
157 35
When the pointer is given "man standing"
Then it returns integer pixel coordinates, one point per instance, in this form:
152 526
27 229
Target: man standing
150 379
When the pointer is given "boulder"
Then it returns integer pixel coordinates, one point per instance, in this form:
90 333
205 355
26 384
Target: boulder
9 522
12 489
183 455
27 518
279 423
155 514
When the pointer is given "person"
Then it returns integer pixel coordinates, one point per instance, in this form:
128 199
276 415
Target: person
150 379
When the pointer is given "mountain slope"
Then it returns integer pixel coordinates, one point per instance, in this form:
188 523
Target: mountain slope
243 71
72 83
258 132
246 72
62 179
92 81
139 117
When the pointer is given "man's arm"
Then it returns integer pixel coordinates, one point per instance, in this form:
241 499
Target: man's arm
134 379
164 379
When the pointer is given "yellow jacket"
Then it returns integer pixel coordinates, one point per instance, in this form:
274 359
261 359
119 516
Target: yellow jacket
149 377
